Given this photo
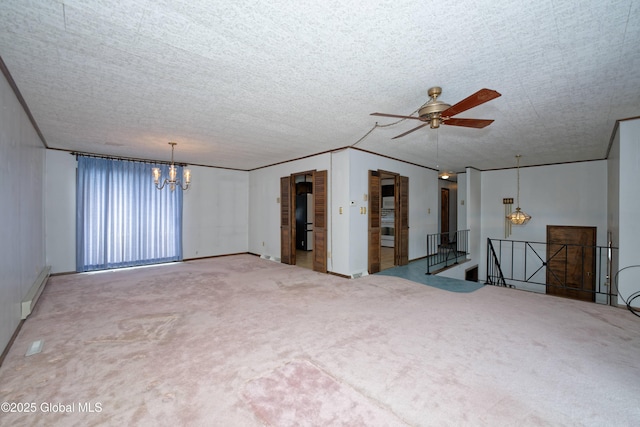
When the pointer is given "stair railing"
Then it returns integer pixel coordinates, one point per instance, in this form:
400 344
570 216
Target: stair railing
494 271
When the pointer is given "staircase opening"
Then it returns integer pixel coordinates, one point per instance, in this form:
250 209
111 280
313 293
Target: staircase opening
471 274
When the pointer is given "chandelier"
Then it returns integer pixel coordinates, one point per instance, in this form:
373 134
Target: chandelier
518 217
173 172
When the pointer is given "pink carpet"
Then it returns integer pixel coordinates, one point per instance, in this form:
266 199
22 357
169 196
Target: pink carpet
301 394
241 341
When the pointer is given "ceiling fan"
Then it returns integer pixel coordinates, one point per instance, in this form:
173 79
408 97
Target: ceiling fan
436 112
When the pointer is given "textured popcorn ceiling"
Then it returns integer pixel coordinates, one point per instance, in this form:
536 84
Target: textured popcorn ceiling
244 84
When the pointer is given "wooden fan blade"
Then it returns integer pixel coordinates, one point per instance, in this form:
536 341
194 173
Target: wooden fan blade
469 123
395 115
408 132
480 97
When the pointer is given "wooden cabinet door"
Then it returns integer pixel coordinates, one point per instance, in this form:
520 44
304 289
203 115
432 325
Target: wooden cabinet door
374 222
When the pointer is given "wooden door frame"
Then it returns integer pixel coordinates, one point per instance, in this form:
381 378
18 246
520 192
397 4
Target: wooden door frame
291 226
444 212
320 192
396 207
374 246
401 250
400 246
287 215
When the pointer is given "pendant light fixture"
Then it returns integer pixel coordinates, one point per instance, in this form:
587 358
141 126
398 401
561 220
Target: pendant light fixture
173 172
518 217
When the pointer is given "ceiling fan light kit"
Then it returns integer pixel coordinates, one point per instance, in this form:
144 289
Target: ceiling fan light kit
435 112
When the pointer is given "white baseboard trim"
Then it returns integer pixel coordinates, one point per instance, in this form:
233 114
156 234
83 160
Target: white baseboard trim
30 300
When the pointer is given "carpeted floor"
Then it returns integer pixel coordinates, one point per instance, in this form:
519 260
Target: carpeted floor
242 341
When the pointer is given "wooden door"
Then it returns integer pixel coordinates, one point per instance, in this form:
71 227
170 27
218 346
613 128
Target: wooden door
320 221
374 248
287 222
571 261
401 238
444 215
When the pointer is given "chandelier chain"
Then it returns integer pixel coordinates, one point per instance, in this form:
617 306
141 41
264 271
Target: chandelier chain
518 195
518 181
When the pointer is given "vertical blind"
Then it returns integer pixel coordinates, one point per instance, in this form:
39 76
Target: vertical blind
122 219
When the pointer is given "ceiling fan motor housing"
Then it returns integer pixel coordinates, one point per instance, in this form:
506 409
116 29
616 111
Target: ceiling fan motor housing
432 109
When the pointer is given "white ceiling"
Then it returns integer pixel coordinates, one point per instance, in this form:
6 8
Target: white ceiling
244 84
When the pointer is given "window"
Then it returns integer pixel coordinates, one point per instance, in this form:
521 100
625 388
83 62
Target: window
122 220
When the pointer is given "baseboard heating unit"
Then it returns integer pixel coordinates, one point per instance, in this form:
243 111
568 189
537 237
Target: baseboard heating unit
30 300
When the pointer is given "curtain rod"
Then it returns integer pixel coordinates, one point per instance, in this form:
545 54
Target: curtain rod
130 159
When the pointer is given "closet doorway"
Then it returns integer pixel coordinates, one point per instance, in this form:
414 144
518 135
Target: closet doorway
303 220
387 220
303 208
388 231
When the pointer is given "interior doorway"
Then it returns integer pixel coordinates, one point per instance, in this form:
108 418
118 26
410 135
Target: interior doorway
303 220
444 215
387 220
388 230
303 208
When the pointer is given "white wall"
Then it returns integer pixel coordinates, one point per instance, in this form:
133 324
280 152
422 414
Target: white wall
348 189
60 202
462 202
613 204
563 194
215 212
423 205
264 205
475 193
342 255
629 207
215 218
22 227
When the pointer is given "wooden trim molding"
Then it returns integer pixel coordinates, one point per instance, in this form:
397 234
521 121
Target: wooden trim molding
16 91
10 343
